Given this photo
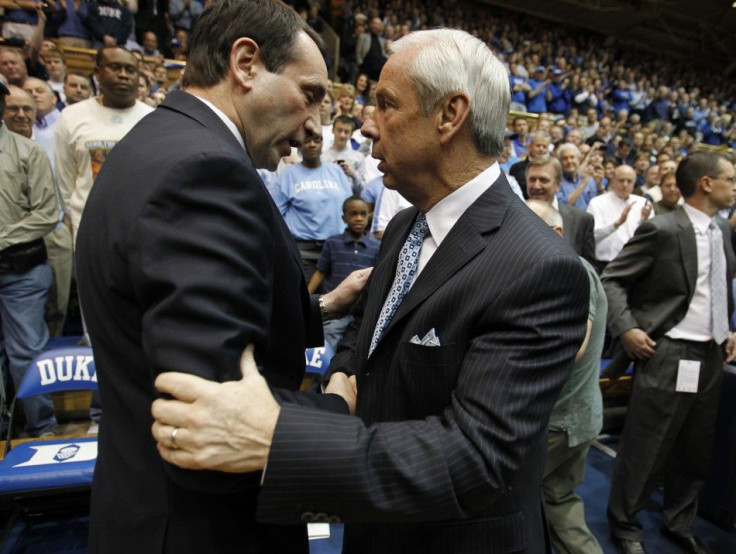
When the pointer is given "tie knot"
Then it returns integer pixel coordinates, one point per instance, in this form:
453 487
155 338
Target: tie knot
712 225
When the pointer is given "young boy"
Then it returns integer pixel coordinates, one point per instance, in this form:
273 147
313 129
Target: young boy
341 152
343 254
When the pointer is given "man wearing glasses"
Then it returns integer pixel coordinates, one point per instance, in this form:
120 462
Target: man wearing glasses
670 301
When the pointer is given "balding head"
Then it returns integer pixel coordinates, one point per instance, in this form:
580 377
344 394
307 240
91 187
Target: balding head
20 111
624 178
548 213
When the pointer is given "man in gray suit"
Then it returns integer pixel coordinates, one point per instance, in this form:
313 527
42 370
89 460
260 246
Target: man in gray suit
456 376
669 296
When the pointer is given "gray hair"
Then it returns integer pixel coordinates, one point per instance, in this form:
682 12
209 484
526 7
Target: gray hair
568 146
450 60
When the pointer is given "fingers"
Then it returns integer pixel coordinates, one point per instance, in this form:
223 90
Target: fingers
172 412
248 362
170 436
182 386
178 457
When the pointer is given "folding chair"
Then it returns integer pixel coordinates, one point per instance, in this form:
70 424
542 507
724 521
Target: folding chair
40 476
317 362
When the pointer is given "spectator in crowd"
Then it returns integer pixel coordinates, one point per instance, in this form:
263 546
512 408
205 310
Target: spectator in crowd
591 124
21 120
581 182
342 254
370 50
143 93
184 14
559 100
574 136
341 152
602 133
13 67
536 100
617 214
88 130
152 15
497 382
310 197
72 18
76 87
624 151
671 197
47 114
521 141
671 312
55 63
651 189
29 212
539 142
576 419
543 178
150 44
110 23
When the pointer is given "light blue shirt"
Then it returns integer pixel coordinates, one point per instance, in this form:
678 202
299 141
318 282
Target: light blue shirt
310 199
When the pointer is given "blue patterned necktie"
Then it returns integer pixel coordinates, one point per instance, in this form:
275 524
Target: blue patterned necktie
718 298
405 271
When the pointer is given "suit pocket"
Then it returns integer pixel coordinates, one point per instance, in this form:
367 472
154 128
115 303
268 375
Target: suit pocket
428 375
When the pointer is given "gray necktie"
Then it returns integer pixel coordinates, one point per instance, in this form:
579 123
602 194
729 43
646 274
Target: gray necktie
718 299
405 270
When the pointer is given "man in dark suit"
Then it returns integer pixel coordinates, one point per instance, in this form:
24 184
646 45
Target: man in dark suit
183 260
544 175
669 295
456 380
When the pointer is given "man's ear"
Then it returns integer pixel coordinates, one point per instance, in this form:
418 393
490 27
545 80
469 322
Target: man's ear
705 184
452 113
245 61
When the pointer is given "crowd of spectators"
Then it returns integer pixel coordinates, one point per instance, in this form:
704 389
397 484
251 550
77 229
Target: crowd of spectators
602 128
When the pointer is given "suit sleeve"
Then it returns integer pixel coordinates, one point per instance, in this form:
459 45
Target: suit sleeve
203 252
635 259
588 238
452 466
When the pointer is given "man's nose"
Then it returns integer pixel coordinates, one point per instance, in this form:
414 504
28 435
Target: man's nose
369 129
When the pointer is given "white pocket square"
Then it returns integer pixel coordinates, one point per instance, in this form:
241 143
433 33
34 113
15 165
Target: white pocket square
430 339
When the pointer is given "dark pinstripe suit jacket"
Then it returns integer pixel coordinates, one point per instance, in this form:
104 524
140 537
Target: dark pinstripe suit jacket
448 453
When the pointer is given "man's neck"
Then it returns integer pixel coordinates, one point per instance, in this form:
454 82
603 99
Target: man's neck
106 103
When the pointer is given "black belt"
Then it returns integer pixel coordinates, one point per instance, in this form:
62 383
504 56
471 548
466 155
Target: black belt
313 243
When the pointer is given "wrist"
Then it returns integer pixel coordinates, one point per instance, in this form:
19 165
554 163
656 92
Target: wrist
324 311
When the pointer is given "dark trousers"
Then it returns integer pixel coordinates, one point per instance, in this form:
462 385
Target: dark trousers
667 434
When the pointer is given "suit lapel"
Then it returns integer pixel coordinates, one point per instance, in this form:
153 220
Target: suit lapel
688 249
464 242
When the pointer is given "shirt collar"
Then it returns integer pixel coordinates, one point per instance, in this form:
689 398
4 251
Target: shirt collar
225 119
349 239
443 215
700 220
47 120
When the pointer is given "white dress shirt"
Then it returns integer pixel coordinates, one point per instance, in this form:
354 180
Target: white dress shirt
441 218
606 209
697 324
